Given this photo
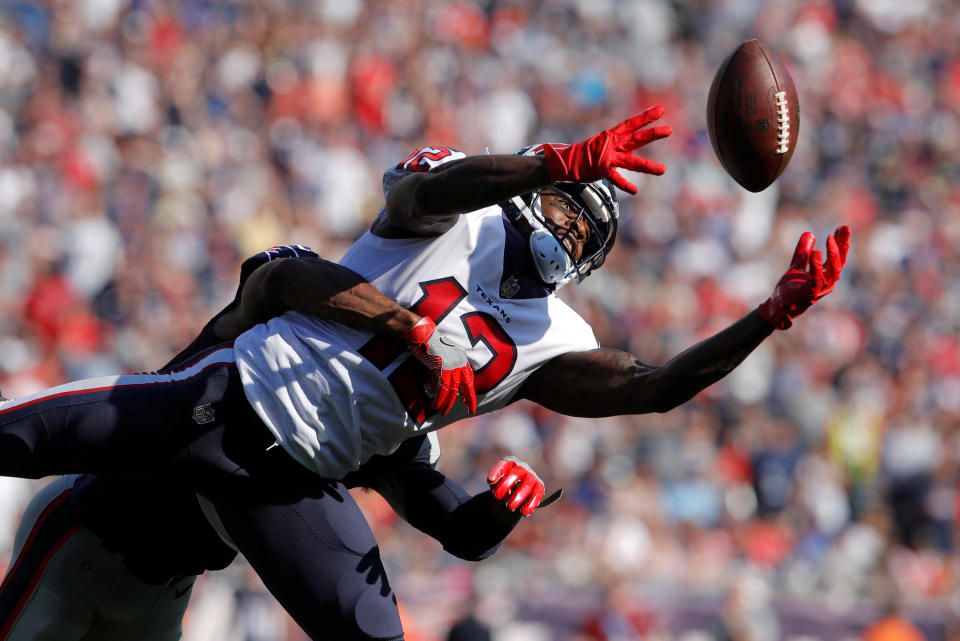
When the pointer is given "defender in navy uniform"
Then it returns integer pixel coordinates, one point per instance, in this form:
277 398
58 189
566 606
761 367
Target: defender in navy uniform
468 255
106 557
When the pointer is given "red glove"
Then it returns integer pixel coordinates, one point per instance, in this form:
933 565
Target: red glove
516 483
600 155
450 372
807 280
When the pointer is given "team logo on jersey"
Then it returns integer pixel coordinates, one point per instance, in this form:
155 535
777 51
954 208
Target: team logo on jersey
492 303
203 414
84 571
509 287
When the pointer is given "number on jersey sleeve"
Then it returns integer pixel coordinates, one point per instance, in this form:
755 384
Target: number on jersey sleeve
426 158
423 159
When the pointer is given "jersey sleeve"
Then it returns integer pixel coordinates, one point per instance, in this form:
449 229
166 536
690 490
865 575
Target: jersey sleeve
423 159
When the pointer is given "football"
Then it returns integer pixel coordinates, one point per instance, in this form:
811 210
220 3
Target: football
753 115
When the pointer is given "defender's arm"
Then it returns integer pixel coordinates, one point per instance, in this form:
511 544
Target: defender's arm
330 291
468 527
318 287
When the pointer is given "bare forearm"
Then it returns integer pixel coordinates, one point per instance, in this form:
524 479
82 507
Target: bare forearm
609 382
362 306
320 288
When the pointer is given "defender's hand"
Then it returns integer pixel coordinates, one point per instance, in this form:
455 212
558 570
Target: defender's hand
600 155
515 482
807 280
450 372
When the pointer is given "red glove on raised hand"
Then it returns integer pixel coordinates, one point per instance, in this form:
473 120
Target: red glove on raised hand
600 155
807 280
450 372
516 483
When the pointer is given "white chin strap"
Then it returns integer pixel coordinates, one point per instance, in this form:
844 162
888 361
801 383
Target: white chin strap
552 262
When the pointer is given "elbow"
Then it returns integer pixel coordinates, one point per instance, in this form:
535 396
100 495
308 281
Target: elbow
473 554
421 199
259 300
666 400
662 395
665 406
409 198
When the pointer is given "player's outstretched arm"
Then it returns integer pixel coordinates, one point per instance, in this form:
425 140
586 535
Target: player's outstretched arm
608 382
428 203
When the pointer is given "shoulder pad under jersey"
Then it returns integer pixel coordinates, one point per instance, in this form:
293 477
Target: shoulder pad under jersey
277 251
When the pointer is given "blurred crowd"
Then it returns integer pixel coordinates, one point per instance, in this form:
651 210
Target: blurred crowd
147 147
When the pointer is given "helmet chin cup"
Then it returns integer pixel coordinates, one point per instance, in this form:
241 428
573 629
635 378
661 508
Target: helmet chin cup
552 262
554 265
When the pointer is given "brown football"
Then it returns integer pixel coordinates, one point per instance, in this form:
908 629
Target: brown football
753 115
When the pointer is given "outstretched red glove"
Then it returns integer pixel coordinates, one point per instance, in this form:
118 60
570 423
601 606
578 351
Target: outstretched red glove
515 482
600 155
450 372
807 280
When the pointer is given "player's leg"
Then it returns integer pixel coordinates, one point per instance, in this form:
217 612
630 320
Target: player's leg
319 558
35 601
143 612
138 424
64 585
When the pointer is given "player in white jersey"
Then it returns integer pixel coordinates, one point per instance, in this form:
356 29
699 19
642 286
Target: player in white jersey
476 248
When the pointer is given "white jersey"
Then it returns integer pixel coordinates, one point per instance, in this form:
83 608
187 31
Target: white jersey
335 396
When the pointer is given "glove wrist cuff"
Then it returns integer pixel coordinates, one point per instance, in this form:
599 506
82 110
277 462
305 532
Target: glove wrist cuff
420 332
556 166
774 313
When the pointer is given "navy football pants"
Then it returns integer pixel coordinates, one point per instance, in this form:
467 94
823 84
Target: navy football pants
305 536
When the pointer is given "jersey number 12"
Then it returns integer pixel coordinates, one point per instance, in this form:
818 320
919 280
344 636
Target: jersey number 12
439 298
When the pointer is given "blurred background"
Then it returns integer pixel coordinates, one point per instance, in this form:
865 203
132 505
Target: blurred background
147 147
